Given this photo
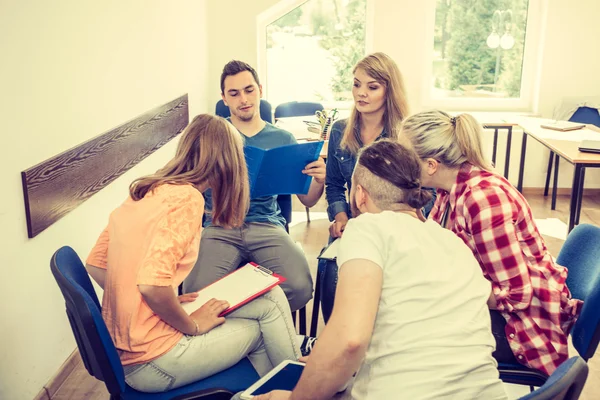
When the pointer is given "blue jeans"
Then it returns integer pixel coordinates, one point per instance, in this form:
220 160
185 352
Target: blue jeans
262 330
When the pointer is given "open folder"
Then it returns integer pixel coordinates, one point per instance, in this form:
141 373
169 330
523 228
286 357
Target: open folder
279 170
238 288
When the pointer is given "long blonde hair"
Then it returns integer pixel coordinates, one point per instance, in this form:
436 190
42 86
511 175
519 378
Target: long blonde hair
450 140
210 154
384 70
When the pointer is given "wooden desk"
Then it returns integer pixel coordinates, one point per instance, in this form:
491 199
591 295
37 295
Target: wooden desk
567 149
496 121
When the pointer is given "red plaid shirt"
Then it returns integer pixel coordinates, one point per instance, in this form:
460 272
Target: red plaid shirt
495 221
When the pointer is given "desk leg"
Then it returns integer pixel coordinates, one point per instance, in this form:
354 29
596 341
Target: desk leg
495 146
555 185
508 145
550 159
574 196
580 196
522 164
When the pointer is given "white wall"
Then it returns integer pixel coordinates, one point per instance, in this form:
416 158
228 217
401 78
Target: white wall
570 67
70 71
569 64
232 35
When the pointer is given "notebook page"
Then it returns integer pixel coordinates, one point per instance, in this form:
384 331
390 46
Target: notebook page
235 287
331 251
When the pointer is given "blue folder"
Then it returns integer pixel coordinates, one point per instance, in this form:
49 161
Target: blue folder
279 170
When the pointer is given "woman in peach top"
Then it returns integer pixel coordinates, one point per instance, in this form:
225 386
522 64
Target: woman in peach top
151 244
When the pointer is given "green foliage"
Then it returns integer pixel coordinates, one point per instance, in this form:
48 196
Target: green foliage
346 45
462 28
320 19
290 19
512 61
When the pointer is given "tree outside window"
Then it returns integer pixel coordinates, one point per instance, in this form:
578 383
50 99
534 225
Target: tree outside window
312 49
478 48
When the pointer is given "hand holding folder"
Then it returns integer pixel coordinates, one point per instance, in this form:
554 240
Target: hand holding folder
238 288
279 170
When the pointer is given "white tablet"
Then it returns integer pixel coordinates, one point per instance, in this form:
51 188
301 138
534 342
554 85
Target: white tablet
285 376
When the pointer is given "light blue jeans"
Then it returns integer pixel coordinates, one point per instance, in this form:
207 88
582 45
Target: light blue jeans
262 330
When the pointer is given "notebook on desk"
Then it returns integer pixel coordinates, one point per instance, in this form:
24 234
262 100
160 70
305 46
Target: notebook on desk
590 146
563 126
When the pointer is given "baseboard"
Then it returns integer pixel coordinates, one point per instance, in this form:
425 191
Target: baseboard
50 389
564 191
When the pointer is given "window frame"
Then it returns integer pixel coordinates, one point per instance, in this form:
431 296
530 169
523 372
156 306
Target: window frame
530 73
277 11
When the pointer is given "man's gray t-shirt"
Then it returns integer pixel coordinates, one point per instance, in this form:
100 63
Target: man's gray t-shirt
262 209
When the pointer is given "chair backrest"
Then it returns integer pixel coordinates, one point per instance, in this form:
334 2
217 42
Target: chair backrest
266 111
566 383
581 255
586 115
83 310
297 109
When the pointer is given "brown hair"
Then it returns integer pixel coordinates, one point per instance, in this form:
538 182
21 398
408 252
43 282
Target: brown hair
210 154
391 174
234 67
450 140
384 70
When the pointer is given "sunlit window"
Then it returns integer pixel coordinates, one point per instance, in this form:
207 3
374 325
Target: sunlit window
311 50
479 48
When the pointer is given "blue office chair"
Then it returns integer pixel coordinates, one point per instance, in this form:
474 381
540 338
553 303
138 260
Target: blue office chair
266 111
297 109
583 115
566 383
100 355
581 255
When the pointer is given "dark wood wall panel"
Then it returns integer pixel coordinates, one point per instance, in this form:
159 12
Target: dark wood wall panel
58 185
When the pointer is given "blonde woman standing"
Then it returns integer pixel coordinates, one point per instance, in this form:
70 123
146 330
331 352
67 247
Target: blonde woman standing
151 244
531 307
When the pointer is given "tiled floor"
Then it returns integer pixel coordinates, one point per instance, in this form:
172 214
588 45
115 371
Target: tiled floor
314 235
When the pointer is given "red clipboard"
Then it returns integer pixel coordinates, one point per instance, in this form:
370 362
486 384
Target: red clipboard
238 288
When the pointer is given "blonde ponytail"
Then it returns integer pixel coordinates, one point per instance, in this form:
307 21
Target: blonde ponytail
468 137
450 140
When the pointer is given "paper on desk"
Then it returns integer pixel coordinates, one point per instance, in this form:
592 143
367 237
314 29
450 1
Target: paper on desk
569 136
533 126
552 227
331 251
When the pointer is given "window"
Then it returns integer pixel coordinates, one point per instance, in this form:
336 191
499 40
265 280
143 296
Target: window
310 51
480 49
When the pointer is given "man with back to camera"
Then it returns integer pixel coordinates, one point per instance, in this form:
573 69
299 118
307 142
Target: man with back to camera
262 239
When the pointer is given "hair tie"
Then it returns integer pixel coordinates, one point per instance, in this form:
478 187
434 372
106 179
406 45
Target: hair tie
412 185
453 121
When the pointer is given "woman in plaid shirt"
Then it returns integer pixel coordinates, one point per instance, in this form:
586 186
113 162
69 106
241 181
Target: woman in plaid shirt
531 307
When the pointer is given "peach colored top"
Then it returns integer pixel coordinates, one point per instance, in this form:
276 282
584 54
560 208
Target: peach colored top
153 241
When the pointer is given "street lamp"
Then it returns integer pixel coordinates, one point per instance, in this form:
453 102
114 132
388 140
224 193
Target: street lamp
500 20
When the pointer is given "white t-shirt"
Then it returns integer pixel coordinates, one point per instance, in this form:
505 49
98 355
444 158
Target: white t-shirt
432 336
